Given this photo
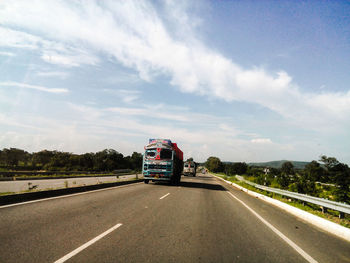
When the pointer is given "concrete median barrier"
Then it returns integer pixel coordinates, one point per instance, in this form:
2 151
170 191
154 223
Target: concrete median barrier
24 197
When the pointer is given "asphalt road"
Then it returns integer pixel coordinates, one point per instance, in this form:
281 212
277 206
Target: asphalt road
24 185
202 220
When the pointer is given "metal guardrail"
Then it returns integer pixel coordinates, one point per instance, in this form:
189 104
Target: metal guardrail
341 207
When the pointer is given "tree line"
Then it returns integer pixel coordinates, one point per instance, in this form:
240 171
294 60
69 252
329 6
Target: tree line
215 165
326 178
106 160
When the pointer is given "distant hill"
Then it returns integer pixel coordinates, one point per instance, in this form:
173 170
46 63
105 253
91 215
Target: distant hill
278 164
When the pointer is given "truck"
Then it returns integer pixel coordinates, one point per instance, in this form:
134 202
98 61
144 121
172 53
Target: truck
162 161
190 168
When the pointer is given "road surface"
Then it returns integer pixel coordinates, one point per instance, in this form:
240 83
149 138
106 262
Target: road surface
202 220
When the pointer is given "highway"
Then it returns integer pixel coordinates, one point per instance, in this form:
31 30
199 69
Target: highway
201 220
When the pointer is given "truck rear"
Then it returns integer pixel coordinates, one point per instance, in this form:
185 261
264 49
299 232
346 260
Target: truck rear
162 161
190 168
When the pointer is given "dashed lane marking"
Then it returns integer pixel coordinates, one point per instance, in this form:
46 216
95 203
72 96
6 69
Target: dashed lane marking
92 241
164 196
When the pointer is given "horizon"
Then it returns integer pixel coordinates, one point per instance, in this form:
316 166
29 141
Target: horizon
246 81
280 160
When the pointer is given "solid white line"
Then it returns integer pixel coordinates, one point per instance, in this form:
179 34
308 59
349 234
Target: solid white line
92 241
164 196
286 239
64 196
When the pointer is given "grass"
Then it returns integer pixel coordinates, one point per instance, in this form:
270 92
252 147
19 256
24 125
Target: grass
7 193
331 215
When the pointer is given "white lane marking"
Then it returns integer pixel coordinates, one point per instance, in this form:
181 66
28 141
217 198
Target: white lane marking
286 239
92 241
164 196
64 196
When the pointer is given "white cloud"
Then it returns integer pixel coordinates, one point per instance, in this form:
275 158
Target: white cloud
8 54
155 113
52 52
90 128
261 141
28 86
59 74
69 58
128 96
18 39
134 33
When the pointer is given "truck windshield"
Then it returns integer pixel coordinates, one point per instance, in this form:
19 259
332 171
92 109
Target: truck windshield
165 154
151 153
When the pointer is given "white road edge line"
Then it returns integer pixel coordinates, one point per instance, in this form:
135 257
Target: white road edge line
164 196
286 239
92 241
64 196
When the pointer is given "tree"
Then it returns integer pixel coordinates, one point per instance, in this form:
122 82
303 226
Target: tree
109 160
314 172
240 168
236 168
283 180
12 156
329 162
339 174
287 168
87 161
59 161
254 171
136 161
42 158
214 164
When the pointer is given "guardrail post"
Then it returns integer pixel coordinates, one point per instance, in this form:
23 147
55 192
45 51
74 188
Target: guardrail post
137 176
324 209
341 215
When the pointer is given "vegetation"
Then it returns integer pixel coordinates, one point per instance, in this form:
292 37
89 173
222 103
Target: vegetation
278 164
327 178
107 160
214 164
331 215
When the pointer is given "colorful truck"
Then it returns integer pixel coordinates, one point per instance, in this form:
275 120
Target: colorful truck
162 161
190 168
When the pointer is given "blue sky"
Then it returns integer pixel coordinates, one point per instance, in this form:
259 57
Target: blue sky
241 80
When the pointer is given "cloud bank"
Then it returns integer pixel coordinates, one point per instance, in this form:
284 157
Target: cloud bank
158 41
134 34
34 87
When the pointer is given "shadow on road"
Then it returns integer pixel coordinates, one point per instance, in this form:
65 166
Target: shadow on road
208 186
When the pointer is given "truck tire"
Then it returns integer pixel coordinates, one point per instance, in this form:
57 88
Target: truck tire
146 181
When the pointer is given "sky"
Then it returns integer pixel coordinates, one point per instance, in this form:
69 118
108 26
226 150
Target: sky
245 81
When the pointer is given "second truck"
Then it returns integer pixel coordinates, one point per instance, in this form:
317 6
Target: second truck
190 168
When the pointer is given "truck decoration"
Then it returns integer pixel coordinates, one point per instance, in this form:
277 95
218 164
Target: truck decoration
162 161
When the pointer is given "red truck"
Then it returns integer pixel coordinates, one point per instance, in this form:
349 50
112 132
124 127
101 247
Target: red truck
162 161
